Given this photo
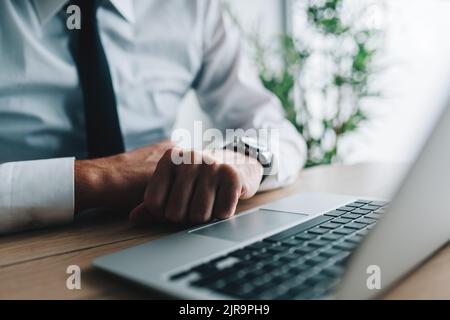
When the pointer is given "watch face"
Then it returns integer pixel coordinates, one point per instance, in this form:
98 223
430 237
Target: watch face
257 150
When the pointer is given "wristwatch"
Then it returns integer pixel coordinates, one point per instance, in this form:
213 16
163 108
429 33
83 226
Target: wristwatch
252 148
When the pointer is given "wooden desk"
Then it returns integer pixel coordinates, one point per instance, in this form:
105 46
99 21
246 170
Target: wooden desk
33 265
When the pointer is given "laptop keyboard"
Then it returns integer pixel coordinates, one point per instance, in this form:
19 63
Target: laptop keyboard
302 262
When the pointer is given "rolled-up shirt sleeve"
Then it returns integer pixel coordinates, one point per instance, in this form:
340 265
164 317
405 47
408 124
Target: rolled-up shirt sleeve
230 92
36 194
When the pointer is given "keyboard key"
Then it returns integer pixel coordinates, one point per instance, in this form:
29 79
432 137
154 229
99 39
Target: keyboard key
330 225
331 237
277 249
341 220
217 285
315 260
278 290
318 230
341 257
274 265
299 228
241 290
379 203
310 271
345 246
355 225
250 268
296 263
345 208
290 257
241 253
318 243
334 271
304 250
218 260
380 211
249 277
285 278
355 239
363 233
306 236
343 231
292 242
301 292
351 216
262 280
355 205
366 220
316 279
353 244
329 252
281 254
373 216
361 211
261 257
298 269
335 213
205 269
370 207
363 201
228 262
259 245
181 275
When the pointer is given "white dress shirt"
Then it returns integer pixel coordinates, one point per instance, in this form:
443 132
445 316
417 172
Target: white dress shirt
158 50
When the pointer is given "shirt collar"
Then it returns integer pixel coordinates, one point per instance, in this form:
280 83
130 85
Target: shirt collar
47 9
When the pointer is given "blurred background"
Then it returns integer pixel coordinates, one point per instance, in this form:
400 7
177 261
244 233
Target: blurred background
362 80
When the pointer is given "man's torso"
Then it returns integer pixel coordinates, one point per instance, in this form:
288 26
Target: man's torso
154 52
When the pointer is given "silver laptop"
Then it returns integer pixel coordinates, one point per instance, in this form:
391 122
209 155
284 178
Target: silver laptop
308 246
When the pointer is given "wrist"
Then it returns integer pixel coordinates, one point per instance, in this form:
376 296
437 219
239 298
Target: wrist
250 169
90 179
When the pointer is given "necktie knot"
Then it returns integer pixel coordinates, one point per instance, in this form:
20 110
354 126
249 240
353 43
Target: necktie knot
88 12
89 5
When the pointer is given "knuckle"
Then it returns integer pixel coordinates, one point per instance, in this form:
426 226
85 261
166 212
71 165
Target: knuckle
196 156
214 166
208 159
229 172
168 153
198 217
182 168
209 170
170 216
186 170
171 153
225 214
203 169
152 206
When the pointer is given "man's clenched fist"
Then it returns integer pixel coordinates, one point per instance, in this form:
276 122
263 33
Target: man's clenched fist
207 186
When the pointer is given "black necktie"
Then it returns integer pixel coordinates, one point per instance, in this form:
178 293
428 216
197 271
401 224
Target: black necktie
104 137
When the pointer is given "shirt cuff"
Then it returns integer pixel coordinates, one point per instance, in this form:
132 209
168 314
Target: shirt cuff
284 170
36 194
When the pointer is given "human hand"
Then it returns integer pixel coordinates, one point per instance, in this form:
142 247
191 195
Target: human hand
207 187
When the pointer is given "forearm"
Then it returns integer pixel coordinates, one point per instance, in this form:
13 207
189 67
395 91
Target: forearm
116 182
112 183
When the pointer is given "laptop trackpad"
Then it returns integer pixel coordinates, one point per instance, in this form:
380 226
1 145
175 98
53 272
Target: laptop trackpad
247 226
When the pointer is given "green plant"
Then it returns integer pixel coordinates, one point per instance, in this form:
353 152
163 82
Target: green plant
336 42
